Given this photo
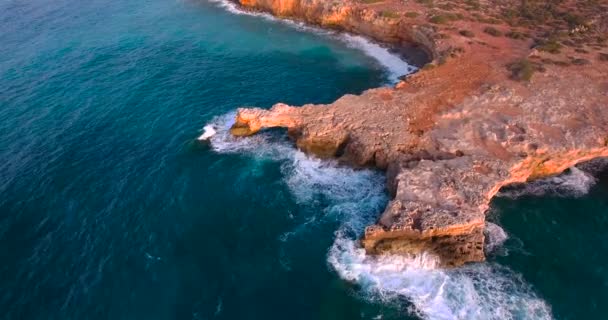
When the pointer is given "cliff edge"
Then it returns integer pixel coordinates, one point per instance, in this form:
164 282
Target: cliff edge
514 91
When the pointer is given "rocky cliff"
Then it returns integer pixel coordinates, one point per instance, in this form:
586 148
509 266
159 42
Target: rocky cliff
488 111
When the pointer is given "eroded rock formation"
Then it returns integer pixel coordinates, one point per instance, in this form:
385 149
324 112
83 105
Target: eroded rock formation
449 136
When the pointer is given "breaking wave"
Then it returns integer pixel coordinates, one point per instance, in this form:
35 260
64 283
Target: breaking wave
390 61
355 198
495 237
208 132
572 183
478 291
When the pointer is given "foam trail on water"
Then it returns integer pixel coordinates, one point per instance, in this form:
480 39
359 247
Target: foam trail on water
355 197
392 62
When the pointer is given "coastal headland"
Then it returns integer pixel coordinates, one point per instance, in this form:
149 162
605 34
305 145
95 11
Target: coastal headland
513 91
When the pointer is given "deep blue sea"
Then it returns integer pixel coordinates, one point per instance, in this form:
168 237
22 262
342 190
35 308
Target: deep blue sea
110 208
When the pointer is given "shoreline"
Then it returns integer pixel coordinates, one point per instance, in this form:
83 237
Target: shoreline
413 53
452 135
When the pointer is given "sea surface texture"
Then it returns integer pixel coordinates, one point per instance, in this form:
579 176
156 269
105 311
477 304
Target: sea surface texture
112 208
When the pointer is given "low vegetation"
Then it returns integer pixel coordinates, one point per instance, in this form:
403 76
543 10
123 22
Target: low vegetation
492 31
445 18
580 62
472 4
516 35
522 70
390 14
466 33
550 46
428 3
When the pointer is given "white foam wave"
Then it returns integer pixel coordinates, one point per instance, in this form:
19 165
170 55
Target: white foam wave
208 132
393 63
573 183
495 237
349 192
479 291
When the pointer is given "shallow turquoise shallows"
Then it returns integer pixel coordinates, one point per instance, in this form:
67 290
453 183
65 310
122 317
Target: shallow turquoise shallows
111 208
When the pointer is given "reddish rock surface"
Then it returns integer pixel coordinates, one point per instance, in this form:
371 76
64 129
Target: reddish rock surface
451 135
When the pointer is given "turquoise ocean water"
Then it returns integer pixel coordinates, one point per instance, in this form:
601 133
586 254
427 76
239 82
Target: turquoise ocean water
110 207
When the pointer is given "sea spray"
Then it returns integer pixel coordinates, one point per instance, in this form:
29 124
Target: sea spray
208 132
355 198
392 62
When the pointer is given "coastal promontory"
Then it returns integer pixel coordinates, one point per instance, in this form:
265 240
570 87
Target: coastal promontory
509 92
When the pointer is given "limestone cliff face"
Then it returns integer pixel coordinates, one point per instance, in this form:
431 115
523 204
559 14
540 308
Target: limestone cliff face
449 137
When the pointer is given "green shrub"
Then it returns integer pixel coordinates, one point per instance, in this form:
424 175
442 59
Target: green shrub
490 21
428 66
390 14
473 4
551 46
573 20
439 19
492 31
522 70
580 62
466 33
556 62
412 14
561 63
428 3
446 7
445 18
515 35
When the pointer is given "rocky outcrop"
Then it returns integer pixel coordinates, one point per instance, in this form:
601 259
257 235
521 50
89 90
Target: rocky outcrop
450 136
